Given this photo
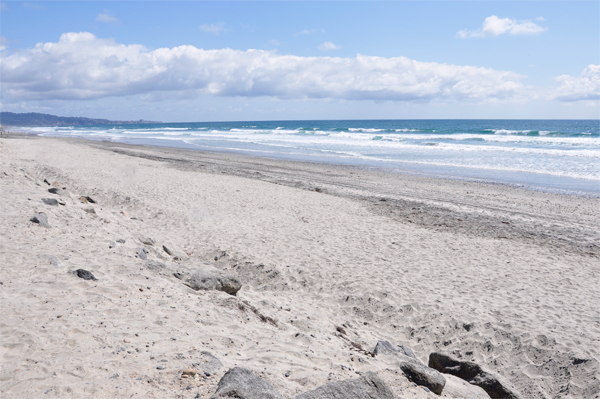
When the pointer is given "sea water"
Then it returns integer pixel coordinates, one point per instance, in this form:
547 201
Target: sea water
561 155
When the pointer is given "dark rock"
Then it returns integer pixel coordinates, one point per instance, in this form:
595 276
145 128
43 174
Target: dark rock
241 383
472 373
84 274
368 386
422 375
142 253
85 199
228 284
50 201
112 244
121 241
41 219
53 190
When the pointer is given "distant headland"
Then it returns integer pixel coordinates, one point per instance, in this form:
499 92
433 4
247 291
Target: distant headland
37 119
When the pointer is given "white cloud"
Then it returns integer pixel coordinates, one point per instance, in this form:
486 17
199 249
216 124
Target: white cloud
494 26
106 17
329 46
583 87
215 29
82 66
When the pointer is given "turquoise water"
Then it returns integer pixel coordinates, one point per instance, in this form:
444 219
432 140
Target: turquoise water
546 154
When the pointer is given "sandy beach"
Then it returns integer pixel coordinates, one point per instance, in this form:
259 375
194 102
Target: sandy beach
331 260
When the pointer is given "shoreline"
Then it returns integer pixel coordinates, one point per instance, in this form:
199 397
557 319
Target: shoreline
502 276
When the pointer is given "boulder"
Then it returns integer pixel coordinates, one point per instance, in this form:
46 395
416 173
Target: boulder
458 388
386 348
41 219
472 373
241 383
228 284
422 375
368 386
84 274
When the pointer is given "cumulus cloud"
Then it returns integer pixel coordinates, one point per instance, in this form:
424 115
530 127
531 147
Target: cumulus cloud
494 26
215 29
583 87
106 17
82 66
328 46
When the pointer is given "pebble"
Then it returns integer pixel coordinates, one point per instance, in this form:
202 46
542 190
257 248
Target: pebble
126 340
287 374
160 368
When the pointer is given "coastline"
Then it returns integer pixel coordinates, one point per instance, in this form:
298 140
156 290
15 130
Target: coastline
401 257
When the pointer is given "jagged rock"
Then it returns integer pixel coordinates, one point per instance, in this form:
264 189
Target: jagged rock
142 253
241 383
458 388
422 375
472 373
368 386
386 348
84 274
41 219
228 284
50 201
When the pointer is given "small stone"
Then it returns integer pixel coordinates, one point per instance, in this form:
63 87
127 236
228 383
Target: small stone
86 199
126 340
112 244
53 190
142 253
91 211
121 241
147 240
50 201
53 260
40 219
160 368
287 373
84 274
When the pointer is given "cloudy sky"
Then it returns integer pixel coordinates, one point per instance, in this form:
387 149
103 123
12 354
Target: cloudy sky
245 60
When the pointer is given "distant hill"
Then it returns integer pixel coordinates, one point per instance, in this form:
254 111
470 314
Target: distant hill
36 119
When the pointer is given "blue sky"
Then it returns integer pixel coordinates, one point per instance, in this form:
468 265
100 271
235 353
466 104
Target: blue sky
190 61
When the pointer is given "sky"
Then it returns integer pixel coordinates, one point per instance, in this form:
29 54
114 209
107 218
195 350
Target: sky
193 61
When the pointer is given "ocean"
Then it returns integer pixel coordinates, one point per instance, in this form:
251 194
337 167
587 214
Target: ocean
554 155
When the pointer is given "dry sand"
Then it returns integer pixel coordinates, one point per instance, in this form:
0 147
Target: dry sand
503 276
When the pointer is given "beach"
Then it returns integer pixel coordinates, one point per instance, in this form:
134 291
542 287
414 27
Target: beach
331 260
